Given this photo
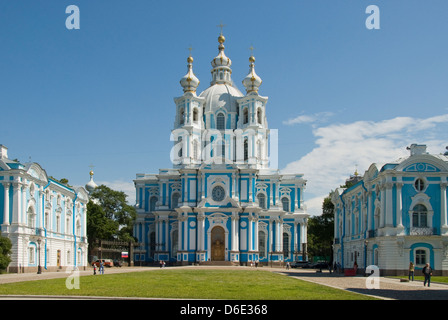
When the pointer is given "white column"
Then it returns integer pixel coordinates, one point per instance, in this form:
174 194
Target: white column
41 207
179 234
6 203
296 240
399 208
303 235
250 221
167 235
389 208
24 207
201 229
383 206
369 212
443 208
17 202
277 233
271 226
186 233
233 233
156 228
256 234
280 236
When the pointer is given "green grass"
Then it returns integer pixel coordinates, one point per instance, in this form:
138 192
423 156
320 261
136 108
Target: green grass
434 279
187 284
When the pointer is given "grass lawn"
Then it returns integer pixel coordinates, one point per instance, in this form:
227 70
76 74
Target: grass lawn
434 279
187 284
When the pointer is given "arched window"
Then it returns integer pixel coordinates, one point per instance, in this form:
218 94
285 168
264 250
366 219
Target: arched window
419 216
245 116
246 149
31 218
285 204
152 203
152 244
285 245
220 122
181 116
175 200
195 115
259 117
261 200
174 244
262 244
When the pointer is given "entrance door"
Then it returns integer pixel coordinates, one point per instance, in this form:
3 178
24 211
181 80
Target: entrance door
217 244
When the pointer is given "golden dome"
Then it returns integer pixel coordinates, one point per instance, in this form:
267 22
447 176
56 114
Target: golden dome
190 59
221 39
251 59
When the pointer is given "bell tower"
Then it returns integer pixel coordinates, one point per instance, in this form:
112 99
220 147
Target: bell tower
188 123
252 120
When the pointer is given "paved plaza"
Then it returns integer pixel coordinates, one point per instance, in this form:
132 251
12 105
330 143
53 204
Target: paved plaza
389 288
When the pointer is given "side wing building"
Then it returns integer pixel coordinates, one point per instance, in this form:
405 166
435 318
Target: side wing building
396 214
44 219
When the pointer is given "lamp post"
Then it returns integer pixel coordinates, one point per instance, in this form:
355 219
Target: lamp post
366 242
39 268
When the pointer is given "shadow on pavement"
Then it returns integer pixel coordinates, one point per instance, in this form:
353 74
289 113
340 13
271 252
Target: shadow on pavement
404 294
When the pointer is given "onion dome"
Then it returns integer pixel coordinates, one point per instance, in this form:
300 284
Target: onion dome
189 81
252 81
221 65
91 185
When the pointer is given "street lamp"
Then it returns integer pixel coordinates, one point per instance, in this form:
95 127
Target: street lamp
366 242
39 269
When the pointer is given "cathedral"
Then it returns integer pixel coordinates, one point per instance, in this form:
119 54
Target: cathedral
222 201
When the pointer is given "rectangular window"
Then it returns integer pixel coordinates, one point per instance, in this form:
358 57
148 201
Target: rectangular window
420 257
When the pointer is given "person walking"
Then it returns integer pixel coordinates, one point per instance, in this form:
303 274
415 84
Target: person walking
427 272
411 271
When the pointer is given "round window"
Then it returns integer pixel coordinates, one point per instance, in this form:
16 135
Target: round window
419 185
218 193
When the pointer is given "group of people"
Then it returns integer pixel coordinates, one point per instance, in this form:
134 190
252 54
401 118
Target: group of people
427 273
100 268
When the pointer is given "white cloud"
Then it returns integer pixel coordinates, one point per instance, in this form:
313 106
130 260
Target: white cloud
317 117
341 148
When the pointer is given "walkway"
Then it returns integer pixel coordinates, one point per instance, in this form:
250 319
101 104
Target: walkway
389 288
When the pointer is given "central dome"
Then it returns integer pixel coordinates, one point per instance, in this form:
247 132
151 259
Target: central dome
220 96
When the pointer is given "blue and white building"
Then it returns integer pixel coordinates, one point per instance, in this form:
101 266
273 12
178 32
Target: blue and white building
221 200
395 214
44 219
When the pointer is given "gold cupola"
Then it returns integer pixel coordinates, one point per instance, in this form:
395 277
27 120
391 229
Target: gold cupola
189 82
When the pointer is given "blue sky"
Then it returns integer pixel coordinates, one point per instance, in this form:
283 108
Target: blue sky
342 96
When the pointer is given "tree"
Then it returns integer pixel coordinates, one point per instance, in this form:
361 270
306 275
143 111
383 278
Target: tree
5 252
109 217
321 231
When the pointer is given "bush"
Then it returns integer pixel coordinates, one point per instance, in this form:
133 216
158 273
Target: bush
5 252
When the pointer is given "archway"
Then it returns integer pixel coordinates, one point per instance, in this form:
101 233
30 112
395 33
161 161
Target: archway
218 244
